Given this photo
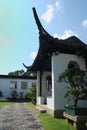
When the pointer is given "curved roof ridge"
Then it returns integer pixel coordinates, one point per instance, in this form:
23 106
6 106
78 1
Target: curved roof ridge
42 31
49 44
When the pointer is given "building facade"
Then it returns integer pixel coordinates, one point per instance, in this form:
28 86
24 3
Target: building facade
21 84
53 57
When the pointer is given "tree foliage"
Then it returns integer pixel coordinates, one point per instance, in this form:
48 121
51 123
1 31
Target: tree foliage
32 94
21 73
1 95
76 80
16 73
14 94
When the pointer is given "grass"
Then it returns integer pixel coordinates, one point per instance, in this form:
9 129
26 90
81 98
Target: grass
6 103
30 105
50 123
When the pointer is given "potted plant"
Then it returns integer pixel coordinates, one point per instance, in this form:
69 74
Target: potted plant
76 80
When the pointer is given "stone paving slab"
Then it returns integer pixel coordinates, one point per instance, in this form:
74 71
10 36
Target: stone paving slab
18 117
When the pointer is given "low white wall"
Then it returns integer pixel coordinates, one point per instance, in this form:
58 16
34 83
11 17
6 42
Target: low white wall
6 82
50 103
40 100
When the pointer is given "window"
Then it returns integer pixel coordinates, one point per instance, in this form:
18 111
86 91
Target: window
13 85
23 85
73 64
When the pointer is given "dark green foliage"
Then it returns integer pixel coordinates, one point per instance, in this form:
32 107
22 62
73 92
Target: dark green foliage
76 80
14 95
32 94
21 95
1 94
16 73
21 73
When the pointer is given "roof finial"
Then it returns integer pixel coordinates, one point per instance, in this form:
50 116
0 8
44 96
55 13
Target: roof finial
40 27
37 19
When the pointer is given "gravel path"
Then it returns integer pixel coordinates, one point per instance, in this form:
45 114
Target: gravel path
18 117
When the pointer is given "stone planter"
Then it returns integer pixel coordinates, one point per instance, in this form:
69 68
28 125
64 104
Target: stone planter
76 111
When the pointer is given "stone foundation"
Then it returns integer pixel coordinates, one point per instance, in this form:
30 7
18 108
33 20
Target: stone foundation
54 113
58 113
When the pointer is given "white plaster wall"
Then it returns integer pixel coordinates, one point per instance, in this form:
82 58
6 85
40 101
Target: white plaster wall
50 103
59 64
5 86
40 100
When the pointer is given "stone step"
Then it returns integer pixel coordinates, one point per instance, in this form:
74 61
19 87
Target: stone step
40 109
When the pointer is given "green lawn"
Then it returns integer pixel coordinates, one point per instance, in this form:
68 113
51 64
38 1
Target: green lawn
6 103
50 123
30 105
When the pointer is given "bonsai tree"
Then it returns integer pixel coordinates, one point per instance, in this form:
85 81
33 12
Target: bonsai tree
76 81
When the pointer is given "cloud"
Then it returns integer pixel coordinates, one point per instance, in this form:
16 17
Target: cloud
58 4
49 14
33 55
84 23
66 34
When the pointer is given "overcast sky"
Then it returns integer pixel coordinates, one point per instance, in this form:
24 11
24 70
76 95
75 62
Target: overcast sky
19 40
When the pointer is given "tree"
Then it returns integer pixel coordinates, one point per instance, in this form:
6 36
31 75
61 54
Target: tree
76 80
22 73
16 73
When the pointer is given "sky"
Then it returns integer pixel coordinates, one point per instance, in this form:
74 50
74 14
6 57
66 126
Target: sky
19 37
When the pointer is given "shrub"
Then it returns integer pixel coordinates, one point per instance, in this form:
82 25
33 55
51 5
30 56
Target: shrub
32 94
14 95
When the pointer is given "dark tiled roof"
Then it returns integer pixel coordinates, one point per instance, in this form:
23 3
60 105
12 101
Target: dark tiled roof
17 77
49 44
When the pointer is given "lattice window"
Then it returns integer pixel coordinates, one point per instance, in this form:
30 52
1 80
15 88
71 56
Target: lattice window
13 85
23 85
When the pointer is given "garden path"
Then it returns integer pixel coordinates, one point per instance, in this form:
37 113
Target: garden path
18 117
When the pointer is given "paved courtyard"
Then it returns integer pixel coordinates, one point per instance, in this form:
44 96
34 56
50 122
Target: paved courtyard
18 117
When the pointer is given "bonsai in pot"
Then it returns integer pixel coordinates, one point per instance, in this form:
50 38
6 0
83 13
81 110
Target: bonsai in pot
76 81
